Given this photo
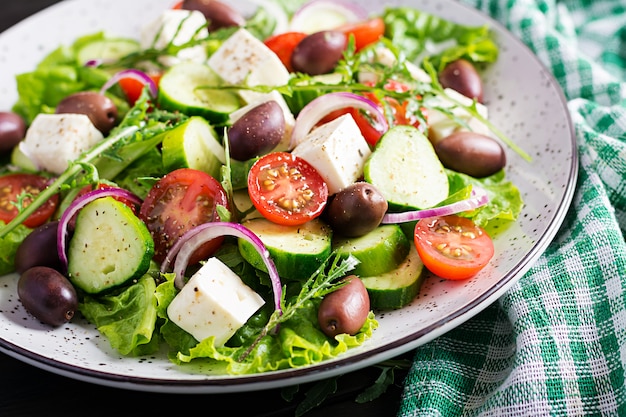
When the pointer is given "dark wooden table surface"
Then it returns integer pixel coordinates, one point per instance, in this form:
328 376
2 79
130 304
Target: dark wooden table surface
27 391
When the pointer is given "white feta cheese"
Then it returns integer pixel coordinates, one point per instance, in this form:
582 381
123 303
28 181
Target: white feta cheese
176 27
52 140
440 125
337 150
245 60
290 120
214 302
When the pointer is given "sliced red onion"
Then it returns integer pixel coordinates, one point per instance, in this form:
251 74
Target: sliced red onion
78 204
187 244
478 198
318 10
93 63
320 107
131 73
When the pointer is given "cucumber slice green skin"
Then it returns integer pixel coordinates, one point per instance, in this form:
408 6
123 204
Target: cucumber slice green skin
110 246
182 88
193 144
297 251
397 288
110 49
406 170
378 252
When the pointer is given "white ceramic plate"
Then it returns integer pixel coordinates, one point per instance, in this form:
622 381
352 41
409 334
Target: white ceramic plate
524 102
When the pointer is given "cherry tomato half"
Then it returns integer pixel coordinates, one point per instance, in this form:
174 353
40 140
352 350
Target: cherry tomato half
365 33
28 185
286 189
178 202
132 87
452 247
283 45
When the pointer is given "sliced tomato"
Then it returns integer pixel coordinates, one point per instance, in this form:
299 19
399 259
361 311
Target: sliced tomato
178 202
286 189
452 247
14 187
365 33
283 45
132 87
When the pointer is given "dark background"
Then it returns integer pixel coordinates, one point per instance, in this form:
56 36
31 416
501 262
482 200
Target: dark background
26 391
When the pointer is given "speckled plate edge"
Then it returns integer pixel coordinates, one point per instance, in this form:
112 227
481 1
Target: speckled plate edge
537 239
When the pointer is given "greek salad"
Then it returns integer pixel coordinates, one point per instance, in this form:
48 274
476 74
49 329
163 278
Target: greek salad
250 189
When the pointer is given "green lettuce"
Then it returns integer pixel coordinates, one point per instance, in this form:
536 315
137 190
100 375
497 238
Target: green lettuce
418 35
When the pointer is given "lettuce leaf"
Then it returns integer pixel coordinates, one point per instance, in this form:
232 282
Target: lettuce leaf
127 318
419 35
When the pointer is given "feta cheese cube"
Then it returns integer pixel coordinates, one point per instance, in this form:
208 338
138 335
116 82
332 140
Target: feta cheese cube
245 60
214 302
177 27
290 120
52 140
337 150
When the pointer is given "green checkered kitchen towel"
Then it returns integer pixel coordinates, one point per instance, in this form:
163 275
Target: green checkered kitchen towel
555 343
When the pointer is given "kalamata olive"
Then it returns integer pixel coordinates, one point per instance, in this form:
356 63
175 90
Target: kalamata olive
319 52
99 108
39 248
12 130
218 14
344 310
48 295
356 210
257 132
471 153
460 75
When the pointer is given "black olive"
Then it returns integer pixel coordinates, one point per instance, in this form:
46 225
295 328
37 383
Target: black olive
48 295
218 14
460 75
257 132
356 210
99 108
471 153
344 310
12 130
319 52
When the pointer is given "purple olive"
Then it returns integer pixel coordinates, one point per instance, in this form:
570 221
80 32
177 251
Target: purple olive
344 310
39 248
99 108
356 210
48 295
319 53
460 75
218 14
257 132
12 130
471 153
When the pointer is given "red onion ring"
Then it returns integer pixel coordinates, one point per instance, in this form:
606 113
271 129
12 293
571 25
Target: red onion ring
321 106
186 245
79 203
134 74
478 198
350 11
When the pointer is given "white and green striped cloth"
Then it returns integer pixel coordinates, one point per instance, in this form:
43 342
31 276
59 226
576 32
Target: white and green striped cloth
555 343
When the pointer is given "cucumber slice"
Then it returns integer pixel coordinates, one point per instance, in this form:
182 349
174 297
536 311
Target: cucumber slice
406 170
110 246
395 289
107 49
297 251
379 251
193 144
182 88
